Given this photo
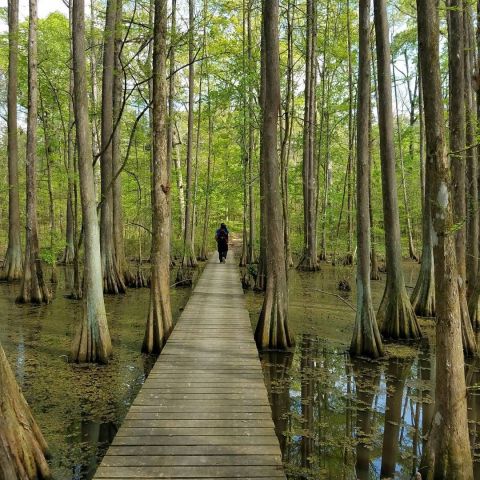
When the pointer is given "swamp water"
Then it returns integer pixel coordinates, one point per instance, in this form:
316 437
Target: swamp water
340 418
78 409
335 418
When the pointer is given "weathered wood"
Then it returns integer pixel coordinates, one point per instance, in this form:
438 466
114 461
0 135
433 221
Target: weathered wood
203 411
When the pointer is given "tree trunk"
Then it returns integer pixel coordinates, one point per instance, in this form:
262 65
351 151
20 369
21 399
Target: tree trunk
189 259
69 251
309 260
92 341
395 314
423 295
51 207
159 321
260 281
12 265
112 279
22 446
349 179
366 340
33 289
411 246
457 146
272 328
251 139
206 220
448 450
244 148
180 185
473 228
118 225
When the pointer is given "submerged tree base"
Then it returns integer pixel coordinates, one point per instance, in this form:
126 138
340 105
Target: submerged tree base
33 289
272 328
184 277
308 264
396 316
12 269
138 280
92 343
23 449
366 340
113 282
423 296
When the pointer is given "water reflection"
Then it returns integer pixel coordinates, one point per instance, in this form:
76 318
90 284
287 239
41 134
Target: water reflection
367 380
351 419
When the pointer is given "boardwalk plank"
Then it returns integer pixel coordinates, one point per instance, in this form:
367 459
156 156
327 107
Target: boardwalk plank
203 411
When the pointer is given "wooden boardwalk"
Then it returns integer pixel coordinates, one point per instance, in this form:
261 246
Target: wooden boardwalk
203 411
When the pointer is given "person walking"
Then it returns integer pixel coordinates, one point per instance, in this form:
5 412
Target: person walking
221 236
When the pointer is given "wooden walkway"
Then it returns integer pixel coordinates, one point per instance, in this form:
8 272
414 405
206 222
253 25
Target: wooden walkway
203 411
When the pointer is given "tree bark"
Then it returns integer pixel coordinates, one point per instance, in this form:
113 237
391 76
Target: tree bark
423 295
272 329
411 246
309 260
251 139
395 314
366 340
448 450
118 225
22 446
92 341
69 251
472 155
189 259
260 281
12 265
113 281
456 126
159 321
33 289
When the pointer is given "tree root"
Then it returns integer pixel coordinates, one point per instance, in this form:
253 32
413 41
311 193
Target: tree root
92 343
308 264
12 269
23 449
396 315
272 328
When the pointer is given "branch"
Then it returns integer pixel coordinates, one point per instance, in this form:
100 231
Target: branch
338 296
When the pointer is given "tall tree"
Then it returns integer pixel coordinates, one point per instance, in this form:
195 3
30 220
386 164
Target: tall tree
272 329
366 339
472 155
423 295
309 260
113 281
33 289
189 259
159 321
251 140
92 340
395 314
448 450
118 225
457 147
22 446
12 266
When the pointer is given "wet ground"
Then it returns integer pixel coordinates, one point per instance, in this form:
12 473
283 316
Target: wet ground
335 418
338 418
78 408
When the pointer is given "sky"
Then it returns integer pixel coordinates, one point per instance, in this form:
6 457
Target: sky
44 7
